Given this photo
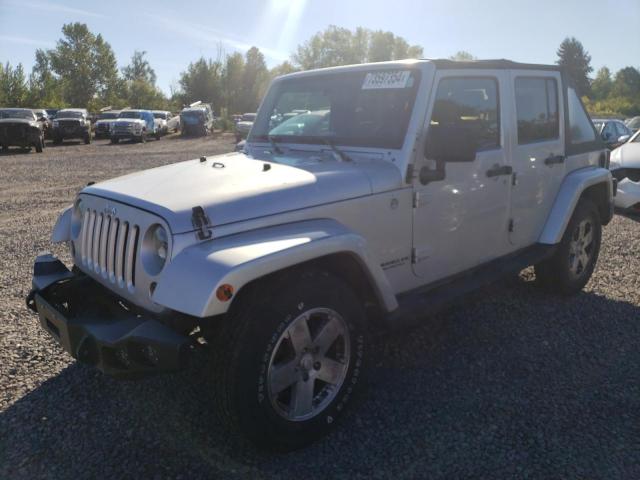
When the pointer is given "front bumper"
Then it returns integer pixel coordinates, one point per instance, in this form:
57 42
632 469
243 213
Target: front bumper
97 328
64 132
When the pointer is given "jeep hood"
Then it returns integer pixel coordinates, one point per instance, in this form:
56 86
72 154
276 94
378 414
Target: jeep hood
233 187
627 155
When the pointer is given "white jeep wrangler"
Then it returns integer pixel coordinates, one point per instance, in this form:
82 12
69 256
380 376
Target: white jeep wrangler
390 190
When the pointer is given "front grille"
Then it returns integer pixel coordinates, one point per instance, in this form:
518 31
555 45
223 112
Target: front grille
123 128
108 246
14 132
68 123
102 127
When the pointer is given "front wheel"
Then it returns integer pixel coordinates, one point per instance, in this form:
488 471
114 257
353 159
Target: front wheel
87 138
290 360
40 144
571 266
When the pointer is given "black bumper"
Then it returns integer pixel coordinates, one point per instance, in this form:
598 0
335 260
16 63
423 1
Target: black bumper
94 326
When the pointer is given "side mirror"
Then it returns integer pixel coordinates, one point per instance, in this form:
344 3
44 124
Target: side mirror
451 143
623 138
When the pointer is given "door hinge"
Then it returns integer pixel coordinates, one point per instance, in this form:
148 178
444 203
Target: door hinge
511 225
201 223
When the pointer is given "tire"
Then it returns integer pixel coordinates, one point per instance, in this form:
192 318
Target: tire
254 341
57 140
5 148
158 136
40 145
115 140
143 138
87 138
571 266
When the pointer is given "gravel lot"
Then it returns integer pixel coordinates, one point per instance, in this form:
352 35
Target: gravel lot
513 383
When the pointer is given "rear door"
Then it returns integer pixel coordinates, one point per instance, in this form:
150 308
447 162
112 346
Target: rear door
538 154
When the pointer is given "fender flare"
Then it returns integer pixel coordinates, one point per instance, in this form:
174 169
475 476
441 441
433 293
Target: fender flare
190 280
571 189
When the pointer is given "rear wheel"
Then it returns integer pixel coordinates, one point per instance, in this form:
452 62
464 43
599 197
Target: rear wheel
40 144
114 140
571 266
143 137
87 138
290 360
57 140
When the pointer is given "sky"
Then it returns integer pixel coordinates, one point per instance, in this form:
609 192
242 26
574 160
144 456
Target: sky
174 33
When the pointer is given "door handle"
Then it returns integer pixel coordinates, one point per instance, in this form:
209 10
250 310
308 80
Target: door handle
498 170
554 159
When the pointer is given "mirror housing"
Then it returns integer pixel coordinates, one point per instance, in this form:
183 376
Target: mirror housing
451 143
623 138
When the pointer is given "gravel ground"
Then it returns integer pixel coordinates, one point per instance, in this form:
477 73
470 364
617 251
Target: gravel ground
513 383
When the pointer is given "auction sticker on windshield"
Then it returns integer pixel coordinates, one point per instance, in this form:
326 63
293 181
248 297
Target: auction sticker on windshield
391 79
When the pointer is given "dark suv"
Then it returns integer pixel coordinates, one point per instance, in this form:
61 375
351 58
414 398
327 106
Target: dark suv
20 127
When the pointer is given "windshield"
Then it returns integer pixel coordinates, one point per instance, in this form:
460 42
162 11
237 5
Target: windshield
107 116
130 115
363 109
69 114
161 115
16 113
634 122
249 117
192 113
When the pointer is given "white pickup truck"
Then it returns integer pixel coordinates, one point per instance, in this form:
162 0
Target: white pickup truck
405 185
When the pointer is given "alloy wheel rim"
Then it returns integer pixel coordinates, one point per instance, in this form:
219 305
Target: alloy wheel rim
308 364
581 248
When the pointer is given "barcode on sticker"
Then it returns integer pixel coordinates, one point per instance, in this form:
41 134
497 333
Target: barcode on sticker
391 79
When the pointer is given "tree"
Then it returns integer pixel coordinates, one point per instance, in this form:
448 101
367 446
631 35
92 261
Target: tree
255 79
577 61
85 65
232 83
340 46
627 83
202 81
13 86
139 69
601 85
462 56
44 87
283 69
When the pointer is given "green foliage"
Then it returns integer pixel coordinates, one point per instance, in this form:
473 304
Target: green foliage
13 86
577 61
462 56
139 69
341 46
201 81
84 63
601 85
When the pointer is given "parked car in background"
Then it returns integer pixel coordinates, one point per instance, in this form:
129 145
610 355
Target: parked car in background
52 112
633 124
71 123
163 119
197 119
613 132
136 125
19 127
285 261
102 127
45 121
243 127
173 124
625 167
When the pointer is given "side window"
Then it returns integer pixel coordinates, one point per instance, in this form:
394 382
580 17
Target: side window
471 103
580 126
537 109
609 131
622 130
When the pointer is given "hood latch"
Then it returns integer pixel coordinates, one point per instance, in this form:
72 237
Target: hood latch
201 223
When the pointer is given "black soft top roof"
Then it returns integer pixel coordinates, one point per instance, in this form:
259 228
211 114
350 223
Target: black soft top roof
492 64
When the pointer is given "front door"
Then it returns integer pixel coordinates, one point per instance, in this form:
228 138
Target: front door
538 157
462 220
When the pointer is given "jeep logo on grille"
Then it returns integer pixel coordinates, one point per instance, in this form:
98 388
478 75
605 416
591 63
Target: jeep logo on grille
108 210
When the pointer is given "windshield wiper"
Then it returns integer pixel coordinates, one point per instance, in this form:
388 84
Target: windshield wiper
343 156
274 145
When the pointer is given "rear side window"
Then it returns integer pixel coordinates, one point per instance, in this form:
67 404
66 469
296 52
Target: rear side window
469 102
580 127
537 109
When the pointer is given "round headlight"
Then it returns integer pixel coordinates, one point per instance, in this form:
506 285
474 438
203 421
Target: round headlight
76 218
155 249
